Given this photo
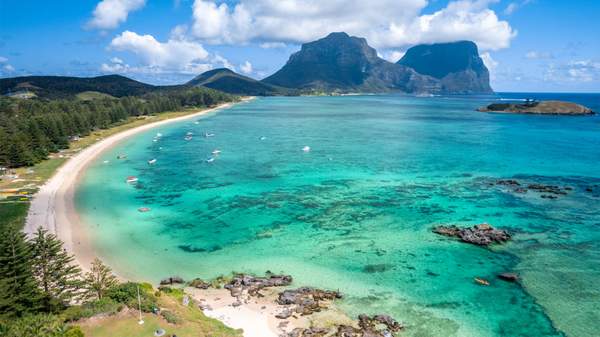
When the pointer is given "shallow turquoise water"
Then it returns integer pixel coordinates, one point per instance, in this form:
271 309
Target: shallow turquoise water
355 212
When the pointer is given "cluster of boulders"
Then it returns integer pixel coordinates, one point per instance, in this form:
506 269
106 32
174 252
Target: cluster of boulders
545 191
199 283
304 301
368 326
171 280
253 284
481 235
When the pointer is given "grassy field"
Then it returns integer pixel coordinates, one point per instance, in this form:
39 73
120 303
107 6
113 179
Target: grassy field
191 323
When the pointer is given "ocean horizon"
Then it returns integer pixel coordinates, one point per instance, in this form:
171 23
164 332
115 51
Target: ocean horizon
343 193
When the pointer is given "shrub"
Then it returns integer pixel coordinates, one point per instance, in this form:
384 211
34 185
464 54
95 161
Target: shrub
104 306
41 325
127 293
170 317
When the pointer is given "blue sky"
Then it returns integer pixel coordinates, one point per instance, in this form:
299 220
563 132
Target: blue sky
529 45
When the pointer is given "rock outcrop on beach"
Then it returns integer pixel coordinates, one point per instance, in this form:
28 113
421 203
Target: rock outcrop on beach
305 300
243 283
539 108
481 235
457 66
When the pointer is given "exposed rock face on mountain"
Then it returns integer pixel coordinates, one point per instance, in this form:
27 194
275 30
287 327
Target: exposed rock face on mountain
342 62
230 82
347 63
456 65
540 108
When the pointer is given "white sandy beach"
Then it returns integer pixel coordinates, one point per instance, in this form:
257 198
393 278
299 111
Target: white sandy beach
53 208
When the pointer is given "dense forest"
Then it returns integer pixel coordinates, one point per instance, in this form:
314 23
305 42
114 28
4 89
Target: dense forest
31 129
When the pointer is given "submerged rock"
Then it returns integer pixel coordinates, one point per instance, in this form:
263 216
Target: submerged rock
510 277
481 235
368 326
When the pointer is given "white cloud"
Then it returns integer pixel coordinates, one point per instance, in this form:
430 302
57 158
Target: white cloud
5 67
490 63
110 13
536 55
272 45
178 56
511 8
392 55
514 6
385 23
246 68
574 71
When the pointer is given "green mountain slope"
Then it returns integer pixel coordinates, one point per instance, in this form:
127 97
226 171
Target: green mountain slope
65 87
225 80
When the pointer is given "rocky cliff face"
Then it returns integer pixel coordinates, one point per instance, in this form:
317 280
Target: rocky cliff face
457 66
346 63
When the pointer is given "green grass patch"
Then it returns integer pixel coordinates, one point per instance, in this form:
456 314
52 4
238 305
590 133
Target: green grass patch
13 213
175 319
92 95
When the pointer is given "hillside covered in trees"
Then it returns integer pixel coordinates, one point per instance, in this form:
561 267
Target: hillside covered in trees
31 129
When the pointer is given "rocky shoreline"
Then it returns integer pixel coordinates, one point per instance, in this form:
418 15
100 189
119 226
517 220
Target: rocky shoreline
292 306
539 108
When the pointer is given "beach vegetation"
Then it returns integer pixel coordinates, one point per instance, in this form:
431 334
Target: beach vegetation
99 280
58 277
105 306
127 294
40 325
19 293
31 130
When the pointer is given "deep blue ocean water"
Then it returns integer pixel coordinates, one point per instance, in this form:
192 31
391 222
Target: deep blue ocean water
355 212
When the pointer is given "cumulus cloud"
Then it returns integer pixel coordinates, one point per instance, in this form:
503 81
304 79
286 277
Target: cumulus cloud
173 56
5 67
490 63
573 71
385 23
109 14
392 55
246 68
272 45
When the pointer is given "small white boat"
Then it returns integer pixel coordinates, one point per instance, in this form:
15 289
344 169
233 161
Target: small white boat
306 149
196 122
188 138
210 160
155 140
132 179
106 162
189 134
122 156
263 138
216 152
143 209
206 134
152 161
158 135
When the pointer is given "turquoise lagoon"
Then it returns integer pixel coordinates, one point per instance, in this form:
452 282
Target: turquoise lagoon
355 213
